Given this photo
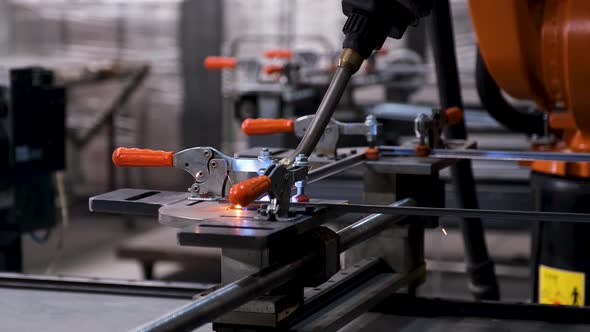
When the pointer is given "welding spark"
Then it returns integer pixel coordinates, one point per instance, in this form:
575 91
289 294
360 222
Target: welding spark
444 231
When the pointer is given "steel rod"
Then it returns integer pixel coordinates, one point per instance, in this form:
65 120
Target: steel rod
370 226
227 298
399 151
461 213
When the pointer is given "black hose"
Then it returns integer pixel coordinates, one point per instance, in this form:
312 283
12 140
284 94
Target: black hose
482 277
530 123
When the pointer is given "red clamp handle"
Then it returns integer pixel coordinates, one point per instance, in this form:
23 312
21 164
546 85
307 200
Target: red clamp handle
131 157
245 192
252 127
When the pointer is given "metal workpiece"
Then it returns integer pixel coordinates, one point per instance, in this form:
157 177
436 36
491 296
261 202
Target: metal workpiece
370 226
324 113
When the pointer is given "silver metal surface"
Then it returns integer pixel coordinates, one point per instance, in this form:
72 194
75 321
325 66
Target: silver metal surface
136 202
324 113
488 155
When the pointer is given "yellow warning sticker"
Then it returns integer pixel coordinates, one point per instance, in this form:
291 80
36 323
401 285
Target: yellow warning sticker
560 287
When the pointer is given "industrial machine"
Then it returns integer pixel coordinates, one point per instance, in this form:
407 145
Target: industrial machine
540 57
32 146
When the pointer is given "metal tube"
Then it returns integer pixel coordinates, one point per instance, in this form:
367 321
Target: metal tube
370 226
324 114
226 298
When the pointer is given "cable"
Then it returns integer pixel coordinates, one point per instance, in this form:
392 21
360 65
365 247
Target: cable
64 220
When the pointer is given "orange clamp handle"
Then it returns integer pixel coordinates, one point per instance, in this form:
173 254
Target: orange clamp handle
272 69
220 62
454 115
131 157
245 192
280 53
267 126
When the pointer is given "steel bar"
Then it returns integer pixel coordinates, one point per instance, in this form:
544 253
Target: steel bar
488 154
226 298
324 114
335 167
370 226
461 213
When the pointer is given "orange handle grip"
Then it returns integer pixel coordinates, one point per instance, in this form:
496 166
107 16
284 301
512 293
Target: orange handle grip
220 62
272 69
454 115
267 126
131 157
245 192
281 53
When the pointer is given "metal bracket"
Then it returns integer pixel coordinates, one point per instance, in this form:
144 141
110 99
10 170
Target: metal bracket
329 141
213 170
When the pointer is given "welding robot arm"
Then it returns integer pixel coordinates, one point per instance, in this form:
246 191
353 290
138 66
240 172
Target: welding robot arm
370 22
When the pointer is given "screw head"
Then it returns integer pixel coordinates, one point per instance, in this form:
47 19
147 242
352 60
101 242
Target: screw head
200 174
206 153
301 160
213 164
194 188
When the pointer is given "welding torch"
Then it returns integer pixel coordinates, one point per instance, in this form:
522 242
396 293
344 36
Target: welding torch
368 25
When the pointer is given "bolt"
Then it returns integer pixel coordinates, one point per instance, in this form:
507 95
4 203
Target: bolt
213 164
264 155
194 188
301 161
200 174
206 153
